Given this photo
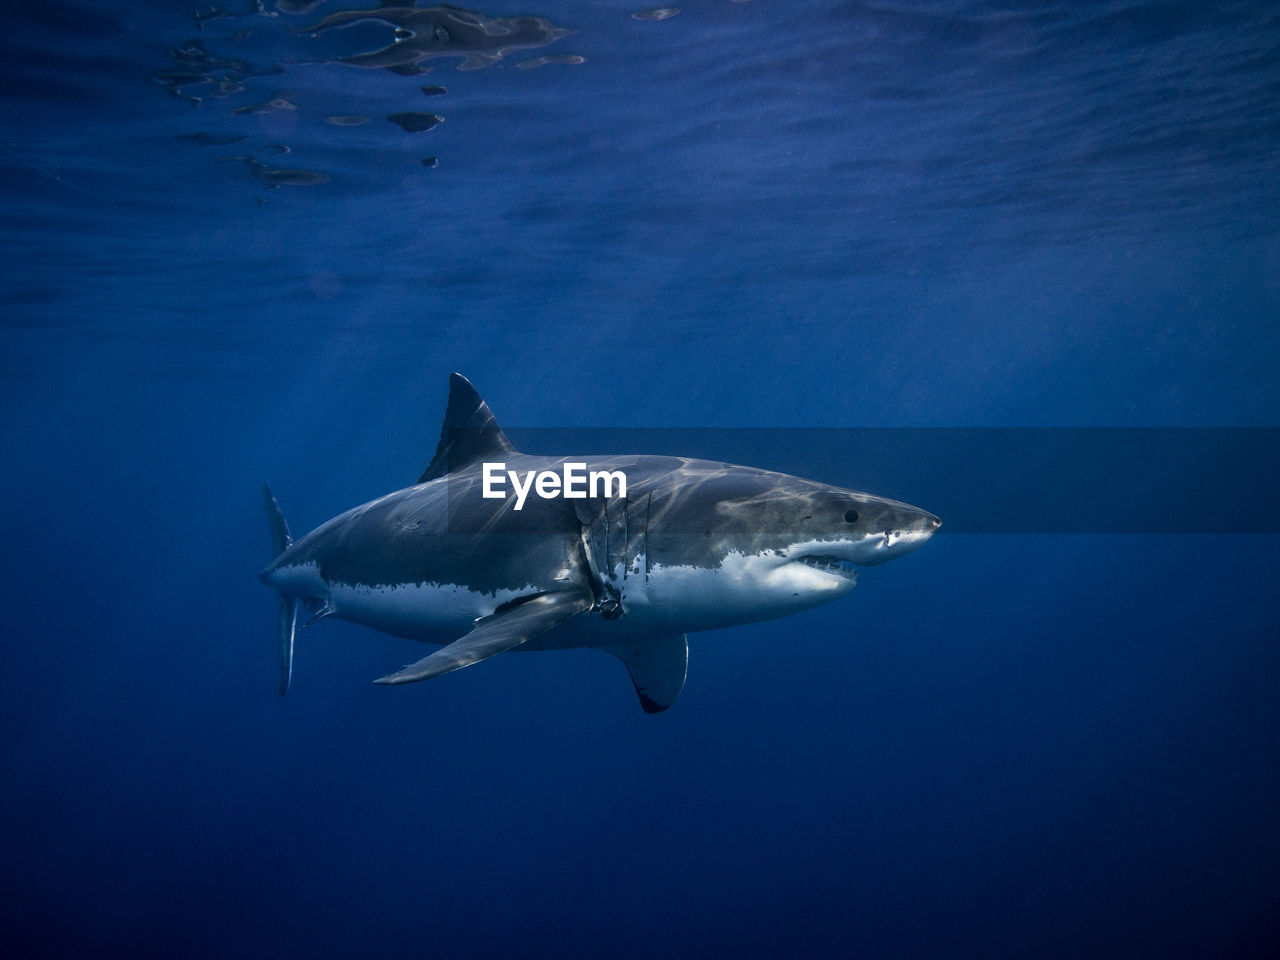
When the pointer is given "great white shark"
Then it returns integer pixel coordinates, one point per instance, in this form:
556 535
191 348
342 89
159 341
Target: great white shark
693 545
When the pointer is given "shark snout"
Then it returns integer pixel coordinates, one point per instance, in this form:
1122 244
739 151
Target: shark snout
907 530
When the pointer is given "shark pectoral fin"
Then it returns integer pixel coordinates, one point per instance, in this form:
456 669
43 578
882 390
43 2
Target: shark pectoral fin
657 666
495 633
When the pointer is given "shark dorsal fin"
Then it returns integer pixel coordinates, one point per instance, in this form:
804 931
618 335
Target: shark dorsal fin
469 434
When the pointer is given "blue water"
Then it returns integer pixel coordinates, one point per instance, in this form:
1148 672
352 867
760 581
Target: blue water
772 214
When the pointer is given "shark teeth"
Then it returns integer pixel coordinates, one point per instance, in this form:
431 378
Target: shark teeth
832 565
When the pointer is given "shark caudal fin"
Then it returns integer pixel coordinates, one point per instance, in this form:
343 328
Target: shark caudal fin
286 607
470 432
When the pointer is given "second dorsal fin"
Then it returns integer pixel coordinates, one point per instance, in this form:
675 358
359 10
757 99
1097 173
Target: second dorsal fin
469 434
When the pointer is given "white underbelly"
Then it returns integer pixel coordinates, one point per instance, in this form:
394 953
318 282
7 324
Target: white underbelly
423 611
742 589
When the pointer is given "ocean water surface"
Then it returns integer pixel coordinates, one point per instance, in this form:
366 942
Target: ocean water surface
249 241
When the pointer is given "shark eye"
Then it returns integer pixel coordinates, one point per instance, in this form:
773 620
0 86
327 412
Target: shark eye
851 516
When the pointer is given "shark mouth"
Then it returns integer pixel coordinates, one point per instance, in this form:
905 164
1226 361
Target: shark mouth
832 565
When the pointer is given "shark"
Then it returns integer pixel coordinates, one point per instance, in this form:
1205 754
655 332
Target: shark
676 546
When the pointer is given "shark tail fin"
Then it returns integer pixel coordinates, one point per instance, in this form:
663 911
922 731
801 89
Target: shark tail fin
286 607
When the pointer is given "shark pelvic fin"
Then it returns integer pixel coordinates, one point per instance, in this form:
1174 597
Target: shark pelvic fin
470 432
658 666
507 628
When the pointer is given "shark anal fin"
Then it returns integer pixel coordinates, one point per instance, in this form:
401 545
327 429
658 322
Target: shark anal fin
326 609
658 666
495 633
470 432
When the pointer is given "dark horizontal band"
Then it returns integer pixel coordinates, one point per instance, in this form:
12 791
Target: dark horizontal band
998 480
